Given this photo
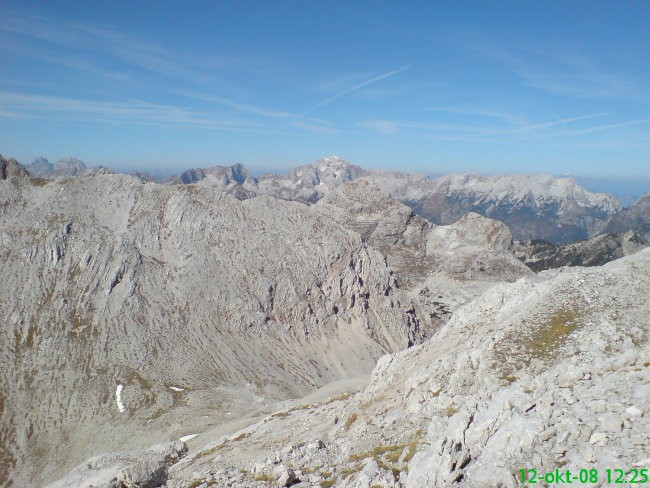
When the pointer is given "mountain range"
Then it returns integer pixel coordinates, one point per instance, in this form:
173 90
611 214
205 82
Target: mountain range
41 167
534 207
307 330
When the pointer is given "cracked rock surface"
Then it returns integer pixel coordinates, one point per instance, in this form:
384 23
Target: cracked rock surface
552 371
201 307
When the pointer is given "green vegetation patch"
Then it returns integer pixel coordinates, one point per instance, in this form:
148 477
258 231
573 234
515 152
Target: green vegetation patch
450 410
379 451
196 483
264 477
387 457
544 341
552 334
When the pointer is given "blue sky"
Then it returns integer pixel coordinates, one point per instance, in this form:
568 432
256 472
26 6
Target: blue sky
490 87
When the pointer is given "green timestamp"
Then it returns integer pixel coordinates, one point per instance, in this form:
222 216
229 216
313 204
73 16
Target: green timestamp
585 476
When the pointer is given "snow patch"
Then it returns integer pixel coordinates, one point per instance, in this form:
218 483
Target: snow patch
176 388
118 398
186 438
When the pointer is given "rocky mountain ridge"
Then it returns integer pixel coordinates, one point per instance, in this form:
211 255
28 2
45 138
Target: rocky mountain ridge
11 169
534 207
635 217
531 205
66 167
540 255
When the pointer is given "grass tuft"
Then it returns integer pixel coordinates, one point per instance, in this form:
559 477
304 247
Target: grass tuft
450 410
352 418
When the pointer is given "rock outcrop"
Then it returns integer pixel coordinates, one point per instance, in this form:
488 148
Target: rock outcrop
138 469
384 224
635 217
11 169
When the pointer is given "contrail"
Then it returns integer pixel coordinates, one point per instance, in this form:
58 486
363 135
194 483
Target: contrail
361 85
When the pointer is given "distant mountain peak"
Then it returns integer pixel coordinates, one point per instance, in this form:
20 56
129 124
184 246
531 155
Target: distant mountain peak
71 162
10 168
40 167
332 160
70 166
41 160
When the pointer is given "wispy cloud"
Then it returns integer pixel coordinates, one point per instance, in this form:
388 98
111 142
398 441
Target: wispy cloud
242 107
81 41
560 71
125 57
12 115
23 105
569 120
360 85
527 131
127 112
68 61
608 127
294 120
492 114
383 127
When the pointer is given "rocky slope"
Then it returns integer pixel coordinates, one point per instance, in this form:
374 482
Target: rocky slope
596 251
636 218
550 372
139 313
442 267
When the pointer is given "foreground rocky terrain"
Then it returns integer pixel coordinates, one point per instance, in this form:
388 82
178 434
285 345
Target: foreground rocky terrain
550 372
